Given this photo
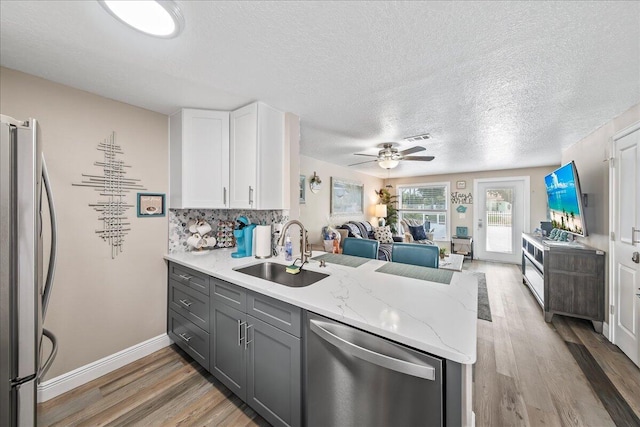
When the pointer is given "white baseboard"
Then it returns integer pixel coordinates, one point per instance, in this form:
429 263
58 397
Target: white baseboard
65 382
605 330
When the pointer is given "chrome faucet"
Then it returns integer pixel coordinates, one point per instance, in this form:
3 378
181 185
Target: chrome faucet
305 250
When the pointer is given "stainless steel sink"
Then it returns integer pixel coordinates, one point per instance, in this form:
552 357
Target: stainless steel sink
276 273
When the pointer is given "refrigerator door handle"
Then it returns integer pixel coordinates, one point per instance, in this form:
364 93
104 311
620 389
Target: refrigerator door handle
422 371
51 271
54 350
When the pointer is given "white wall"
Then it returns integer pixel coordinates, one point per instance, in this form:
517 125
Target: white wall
315 212
591 155
99 305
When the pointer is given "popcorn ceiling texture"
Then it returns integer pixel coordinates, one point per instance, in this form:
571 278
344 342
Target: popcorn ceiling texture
497 84
178 219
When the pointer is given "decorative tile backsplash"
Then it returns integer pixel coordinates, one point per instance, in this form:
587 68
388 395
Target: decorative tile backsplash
178 219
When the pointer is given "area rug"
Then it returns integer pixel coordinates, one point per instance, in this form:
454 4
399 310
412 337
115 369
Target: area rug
484 309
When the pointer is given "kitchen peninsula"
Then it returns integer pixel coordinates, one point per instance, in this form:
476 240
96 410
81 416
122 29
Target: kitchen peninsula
434 318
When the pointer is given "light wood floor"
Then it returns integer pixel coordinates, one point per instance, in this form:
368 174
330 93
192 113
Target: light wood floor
525 375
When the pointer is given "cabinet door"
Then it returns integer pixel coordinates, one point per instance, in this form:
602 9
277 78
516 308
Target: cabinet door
273 161
227 355
273 373
243 157
205 158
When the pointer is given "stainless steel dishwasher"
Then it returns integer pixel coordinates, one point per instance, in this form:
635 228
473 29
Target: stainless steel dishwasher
354 378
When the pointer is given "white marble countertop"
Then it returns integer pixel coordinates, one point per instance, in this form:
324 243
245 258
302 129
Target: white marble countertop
433 317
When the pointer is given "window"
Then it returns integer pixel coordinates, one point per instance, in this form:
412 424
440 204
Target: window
426 202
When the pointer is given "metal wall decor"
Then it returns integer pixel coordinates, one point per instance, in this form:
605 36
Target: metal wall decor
113 186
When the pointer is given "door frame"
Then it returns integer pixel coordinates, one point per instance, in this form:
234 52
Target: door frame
609 329
526 226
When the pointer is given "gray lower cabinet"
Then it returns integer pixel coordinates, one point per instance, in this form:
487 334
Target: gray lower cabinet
250 342
273 373
188 312
228 356
258 355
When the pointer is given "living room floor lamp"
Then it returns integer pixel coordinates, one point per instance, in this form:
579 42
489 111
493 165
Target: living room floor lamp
381 213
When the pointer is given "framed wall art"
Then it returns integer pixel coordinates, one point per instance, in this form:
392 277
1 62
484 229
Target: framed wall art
150 204
303 189
347 197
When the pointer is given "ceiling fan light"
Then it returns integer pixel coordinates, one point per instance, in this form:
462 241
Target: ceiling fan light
388 163
156 18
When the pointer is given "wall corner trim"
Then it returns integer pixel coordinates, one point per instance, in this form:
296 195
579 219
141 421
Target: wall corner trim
89 372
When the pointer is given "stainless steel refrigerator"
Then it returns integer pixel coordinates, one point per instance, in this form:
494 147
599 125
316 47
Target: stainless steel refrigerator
24 288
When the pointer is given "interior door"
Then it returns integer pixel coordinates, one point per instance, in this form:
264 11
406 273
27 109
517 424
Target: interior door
625 180
501 214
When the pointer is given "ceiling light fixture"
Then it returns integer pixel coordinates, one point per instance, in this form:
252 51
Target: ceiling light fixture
388 163
156 18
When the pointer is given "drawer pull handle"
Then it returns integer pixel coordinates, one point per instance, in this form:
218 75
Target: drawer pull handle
186 303
185 337
246 336
186 277
240 333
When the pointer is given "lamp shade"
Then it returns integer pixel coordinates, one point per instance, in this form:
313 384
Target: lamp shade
388 163
381 211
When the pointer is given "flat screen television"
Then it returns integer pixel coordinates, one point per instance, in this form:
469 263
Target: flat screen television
566 207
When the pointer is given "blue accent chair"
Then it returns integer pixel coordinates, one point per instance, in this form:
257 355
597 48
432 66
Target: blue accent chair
412 253
364 248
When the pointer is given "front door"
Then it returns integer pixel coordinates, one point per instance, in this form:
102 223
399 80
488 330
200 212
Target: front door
625 179
501 215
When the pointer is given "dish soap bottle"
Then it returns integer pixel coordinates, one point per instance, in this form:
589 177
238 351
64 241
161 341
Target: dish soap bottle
288 248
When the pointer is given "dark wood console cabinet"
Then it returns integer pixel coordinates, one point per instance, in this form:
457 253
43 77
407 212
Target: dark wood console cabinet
565 279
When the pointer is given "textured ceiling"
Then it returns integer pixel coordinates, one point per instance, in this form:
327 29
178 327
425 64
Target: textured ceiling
497 85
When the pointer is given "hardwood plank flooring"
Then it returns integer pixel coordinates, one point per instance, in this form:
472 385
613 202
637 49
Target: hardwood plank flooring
525 375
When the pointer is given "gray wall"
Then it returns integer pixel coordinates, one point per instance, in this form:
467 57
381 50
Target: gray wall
99 306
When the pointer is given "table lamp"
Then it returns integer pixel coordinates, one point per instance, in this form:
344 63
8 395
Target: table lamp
381 213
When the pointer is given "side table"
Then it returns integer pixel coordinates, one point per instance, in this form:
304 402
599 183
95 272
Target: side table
462 246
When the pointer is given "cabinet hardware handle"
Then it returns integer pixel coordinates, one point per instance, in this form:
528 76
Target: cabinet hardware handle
246 336
185 337
224 196
250 195
186 277
186 303
240 333
633 235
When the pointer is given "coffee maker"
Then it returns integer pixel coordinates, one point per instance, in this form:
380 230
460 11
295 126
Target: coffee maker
243 233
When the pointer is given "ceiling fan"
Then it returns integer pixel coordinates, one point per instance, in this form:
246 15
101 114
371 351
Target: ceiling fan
389 157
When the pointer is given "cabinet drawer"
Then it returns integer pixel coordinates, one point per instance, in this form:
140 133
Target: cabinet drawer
188 277
276 313
189 303
229 294
189 337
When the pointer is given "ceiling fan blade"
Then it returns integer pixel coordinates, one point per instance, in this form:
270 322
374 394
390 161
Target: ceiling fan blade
367 155
419 158
368 161
411 150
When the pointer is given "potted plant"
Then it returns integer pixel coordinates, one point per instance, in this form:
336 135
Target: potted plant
443 253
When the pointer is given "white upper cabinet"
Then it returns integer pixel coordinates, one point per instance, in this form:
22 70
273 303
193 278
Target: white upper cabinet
259 161
199 159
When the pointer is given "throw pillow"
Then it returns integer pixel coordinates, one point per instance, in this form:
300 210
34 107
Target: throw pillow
417 232
383 234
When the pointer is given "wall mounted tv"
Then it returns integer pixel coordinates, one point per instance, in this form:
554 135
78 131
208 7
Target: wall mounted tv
566 207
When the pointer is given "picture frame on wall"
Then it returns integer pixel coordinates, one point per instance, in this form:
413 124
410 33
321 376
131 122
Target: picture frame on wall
347 197
150 205
461 185
303 189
